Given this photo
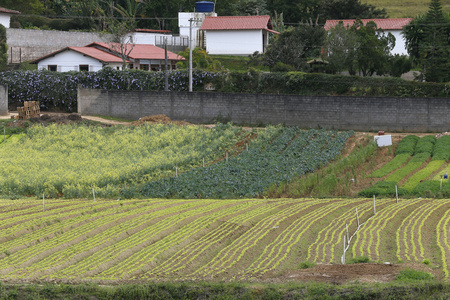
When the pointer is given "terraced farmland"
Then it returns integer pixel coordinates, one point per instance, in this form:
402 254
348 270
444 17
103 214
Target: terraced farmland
251 239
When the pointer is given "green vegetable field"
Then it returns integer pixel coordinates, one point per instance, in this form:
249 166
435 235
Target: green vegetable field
246 239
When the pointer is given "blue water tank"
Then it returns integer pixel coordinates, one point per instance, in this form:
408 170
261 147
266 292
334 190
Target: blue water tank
204 6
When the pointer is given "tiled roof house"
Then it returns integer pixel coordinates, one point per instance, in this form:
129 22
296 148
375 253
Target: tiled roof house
236 35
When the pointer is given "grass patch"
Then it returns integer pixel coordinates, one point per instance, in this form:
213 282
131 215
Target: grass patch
413 164
405 9
306 265
114 119
412 275
359 260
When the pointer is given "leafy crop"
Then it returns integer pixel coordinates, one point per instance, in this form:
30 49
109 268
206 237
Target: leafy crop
407 145
442 148
392 165
422 174
71 160
425 144
210 239
277 155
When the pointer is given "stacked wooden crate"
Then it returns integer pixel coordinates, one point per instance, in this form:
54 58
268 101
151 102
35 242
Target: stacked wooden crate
30 110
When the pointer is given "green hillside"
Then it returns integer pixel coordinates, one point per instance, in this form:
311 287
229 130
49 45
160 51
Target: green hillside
405 9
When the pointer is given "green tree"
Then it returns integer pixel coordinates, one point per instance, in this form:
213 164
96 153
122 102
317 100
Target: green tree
350 9
295 45
435 50
427 40
374 46
3 49
24 6
200 60
342 44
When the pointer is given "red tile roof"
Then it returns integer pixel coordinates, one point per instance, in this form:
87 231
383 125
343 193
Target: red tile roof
9 11
237 23
91 52
141 51
385 24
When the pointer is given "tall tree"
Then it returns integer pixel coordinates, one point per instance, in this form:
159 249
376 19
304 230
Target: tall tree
342 44
24 6
3 49
295 45
373 53
435 49
427 40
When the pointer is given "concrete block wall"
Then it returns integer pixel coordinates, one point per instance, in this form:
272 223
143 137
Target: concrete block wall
3 100
30 44
346 113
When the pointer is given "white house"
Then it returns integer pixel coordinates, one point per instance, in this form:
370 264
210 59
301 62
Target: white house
5 16
394 26
78 59
143 57
184 24
96 56
237 35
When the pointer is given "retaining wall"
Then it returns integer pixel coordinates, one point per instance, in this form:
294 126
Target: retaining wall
346 113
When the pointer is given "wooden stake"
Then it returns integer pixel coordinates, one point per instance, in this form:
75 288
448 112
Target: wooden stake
348 238
93 193
374 207
396 193
43 201
357 216
203 162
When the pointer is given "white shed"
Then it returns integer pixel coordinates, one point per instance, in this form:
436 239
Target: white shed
78 59
237 35
5 16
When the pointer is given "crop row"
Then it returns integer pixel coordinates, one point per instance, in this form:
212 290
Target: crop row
290 153
370 238
74 159
219 239
228 229
61 235
411 232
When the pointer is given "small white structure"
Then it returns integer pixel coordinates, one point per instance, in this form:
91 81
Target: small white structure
78 59
237 35
393 26
383 140
5 16
197 18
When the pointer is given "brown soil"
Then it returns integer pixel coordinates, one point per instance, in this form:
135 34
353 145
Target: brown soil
340 274
158 119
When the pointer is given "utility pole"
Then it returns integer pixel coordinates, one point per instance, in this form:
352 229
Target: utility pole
166 71
190 54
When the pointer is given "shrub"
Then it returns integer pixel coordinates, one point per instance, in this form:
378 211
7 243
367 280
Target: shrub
410 274
359 260
307 264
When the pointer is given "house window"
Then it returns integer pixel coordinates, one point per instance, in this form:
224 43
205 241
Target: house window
144 67
84 68
52 68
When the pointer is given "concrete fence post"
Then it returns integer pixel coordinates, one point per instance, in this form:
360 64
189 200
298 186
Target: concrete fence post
3 100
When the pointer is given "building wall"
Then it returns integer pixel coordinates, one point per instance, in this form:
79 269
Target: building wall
70 61
400 47
345 113
30 44
5 19
234 42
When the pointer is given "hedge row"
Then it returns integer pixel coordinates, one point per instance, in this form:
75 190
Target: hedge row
59 90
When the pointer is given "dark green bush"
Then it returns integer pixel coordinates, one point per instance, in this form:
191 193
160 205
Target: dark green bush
383 188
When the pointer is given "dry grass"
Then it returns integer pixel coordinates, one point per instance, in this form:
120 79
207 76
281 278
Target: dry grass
406 8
